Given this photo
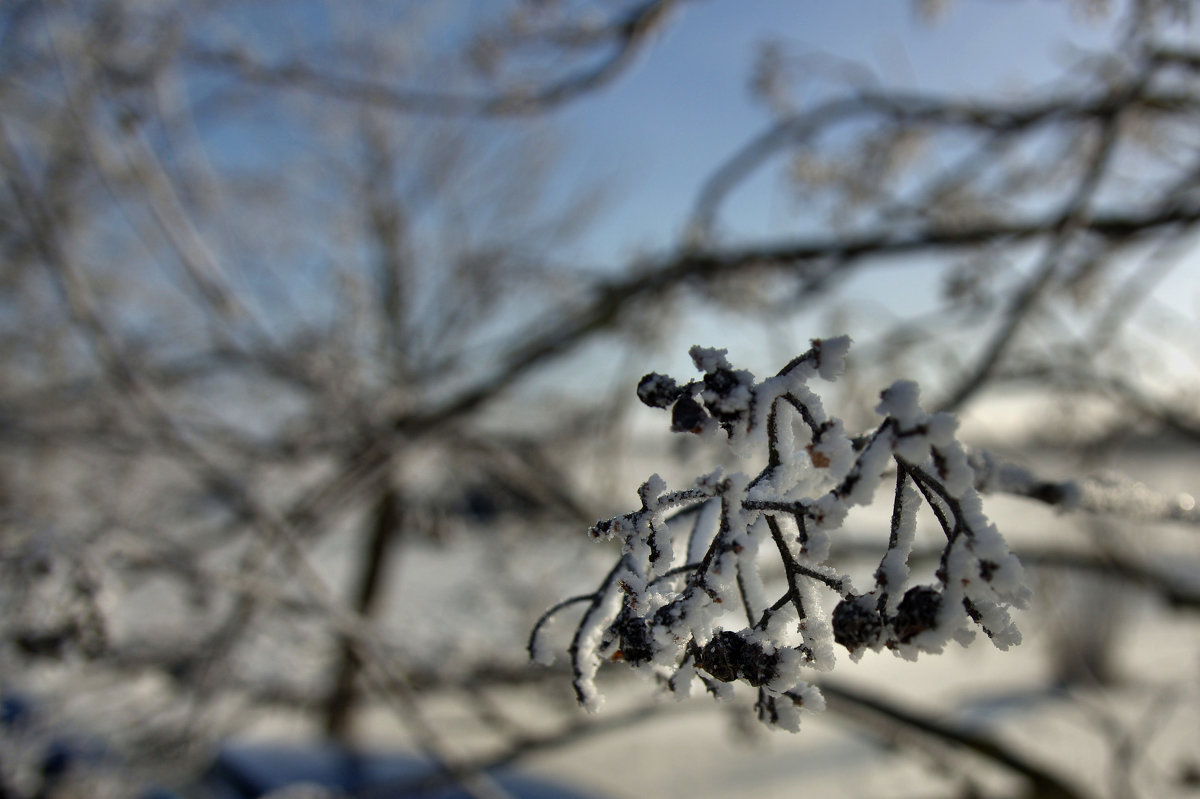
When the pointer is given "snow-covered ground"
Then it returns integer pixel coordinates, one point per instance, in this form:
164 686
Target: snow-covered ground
474 598
1136 736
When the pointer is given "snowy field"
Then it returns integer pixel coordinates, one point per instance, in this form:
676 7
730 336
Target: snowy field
472 600
1136 735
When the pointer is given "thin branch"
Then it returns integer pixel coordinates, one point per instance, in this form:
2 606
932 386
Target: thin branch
914 110
1071 220
628 34
873 711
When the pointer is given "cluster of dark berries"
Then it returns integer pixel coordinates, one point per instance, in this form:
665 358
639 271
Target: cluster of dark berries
723 395
730 656
660 391
663 607
635 645
859 622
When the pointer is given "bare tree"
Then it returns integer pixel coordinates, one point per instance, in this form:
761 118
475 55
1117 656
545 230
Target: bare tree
287 309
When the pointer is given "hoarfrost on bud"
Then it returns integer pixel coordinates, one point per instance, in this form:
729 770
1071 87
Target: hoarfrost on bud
697 609
540 652
831 356
942 427
709 359
657 391
900 402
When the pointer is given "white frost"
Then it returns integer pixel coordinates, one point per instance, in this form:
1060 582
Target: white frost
682 608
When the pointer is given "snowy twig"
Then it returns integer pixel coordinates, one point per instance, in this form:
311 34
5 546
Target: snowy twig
624 37
675 613
1110 495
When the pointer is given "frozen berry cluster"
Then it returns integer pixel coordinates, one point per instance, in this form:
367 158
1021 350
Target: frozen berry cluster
686 599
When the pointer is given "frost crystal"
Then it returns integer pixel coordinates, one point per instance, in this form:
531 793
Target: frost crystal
686 601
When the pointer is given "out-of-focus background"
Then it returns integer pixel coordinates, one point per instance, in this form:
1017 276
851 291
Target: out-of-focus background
320 324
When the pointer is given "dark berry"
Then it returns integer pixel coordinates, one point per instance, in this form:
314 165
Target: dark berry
687 416
761 668
722 656
657 391
637 646
917 612
729 656
856 622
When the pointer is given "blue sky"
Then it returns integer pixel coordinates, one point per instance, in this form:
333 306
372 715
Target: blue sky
686 106
657 132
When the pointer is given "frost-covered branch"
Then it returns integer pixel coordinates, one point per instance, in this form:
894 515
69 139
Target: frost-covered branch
1109 495
617 40
705 612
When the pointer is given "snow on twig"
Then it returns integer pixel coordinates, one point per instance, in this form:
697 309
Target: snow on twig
701 610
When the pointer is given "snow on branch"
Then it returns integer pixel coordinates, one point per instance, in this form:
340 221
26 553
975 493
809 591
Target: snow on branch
1106 495
685 599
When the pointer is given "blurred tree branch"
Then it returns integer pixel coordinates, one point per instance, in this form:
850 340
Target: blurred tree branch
272 292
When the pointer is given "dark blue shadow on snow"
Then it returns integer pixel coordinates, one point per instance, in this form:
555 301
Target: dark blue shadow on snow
250 771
